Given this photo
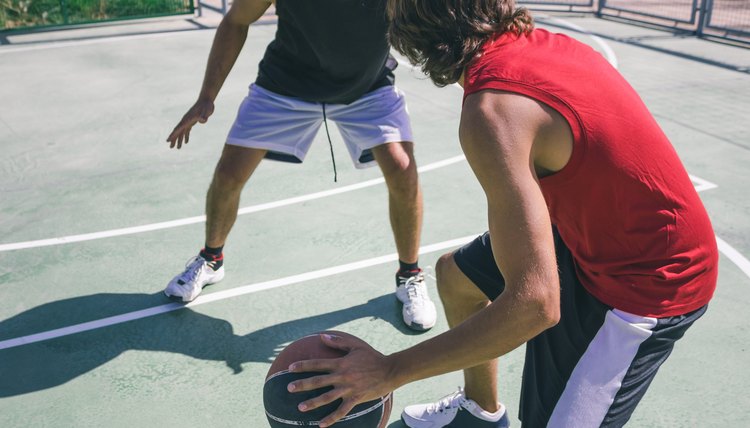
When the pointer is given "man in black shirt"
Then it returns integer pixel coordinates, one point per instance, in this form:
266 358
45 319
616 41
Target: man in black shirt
329 61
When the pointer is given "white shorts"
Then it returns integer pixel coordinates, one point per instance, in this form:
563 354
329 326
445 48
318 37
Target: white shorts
287 126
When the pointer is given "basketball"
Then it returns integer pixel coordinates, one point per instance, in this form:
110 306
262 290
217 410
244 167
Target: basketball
281 405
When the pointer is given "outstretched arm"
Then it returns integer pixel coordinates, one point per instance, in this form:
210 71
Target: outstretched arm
498 134
228 41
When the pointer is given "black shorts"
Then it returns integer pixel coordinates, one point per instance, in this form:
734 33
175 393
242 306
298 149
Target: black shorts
593 367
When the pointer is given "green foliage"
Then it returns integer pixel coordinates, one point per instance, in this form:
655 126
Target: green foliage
29 13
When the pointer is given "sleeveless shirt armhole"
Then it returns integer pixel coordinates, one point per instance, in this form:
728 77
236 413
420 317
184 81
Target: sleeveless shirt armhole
580 142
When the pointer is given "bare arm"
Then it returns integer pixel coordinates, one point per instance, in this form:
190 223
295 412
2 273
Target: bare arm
227 45
228 41
498 133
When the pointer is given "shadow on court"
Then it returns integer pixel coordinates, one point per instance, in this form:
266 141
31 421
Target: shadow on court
43 365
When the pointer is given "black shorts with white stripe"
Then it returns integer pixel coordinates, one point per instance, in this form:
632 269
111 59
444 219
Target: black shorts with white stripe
593 367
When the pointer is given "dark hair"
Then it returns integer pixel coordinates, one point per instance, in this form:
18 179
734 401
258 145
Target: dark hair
443 36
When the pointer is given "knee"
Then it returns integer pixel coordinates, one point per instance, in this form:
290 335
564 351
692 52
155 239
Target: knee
401 178
444 269
397 162
399 168
228 177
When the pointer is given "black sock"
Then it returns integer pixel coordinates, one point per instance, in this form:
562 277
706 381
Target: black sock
213 254
408 267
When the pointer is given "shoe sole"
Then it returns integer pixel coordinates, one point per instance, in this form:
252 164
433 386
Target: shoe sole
179 299
176 298
414 326
419 327
403 421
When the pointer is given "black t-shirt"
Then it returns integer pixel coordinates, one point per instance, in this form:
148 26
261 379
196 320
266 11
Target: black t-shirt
331 51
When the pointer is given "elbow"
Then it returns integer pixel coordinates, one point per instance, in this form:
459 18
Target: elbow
550 314
547 307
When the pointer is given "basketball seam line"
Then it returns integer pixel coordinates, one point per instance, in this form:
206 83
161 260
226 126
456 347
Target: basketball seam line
380 403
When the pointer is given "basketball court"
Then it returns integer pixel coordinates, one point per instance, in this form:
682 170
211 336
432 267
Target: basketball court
97 214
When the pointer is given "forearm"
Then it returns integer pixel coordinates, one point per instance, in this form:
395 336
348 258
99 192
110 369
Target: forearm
528 306
503 326
227 45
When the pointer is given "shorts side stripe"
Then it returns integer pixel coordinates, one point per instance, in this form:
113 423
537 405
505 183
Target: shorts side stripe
598 375
651 355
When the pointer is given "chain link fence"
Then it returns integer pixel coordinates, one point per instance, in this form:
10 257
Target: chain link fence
25 14
728 19
723 19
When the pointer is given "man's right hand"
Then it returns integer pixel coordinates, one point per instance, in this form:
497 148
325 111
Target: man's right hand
228 41
199 112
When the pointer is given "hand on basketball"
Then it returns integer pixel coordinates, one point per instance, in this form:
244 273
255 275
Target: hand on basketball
359 376
199 112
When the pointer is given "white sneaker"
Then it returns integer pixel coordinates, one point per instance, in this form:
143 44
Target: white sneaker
418 311
454 411
188 285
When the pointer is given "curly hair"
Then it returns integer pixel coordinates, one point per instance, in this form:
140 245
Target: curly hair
443 36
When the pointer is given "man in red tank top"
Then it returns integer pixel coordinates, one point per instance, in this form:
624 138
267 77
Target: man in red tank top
599 253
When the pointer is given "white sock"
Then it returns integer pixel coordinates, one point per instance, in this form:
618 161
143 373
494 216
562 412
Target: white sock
485 415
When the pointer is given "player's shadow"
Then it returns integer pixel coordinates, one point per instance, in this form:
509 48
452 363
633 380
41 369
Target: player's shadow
41 365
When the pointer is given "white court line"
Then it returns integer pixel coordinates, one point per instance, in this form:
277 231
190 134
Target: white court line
200 219
608 52
735 256
701 184
222 295
247 210
8 49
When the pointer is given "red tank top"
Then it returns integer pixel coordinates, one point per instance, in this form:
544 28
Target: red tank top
623 204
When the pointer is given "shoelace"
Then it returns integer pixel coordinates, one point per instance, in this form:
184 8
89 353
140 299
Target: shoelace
448 402
415 287
193 267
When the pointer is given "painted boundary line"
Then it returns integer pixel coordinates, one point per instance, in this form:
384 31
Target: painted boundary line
700 184
606 49
200 219
221 295
609 53
735 256
10 49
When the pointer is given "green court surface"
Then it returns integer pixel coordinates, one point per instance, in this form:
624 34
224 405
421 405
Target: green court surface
97 214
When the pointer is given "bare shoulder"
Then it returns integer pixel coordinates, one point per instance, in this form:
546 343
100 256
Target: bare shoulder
504 120
504 109
516 124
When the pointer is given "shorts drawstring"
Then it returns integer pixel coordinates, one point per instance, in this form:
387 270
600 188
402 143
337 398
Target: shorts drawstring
330 144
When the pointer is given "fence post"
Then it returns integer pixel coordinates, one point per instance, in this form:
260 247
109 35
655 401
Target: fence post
64 9
705 6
